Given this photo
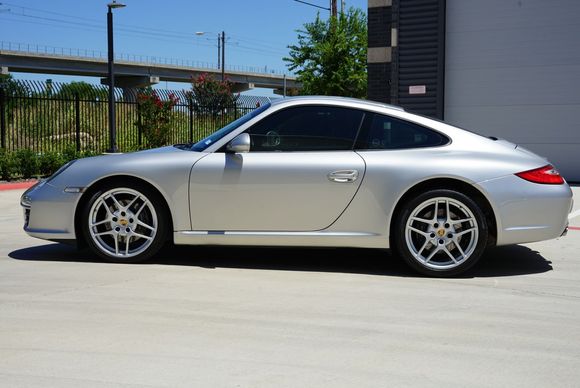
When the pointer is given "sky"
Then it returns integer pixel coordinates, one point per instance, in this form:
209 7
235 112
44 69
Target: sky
257 31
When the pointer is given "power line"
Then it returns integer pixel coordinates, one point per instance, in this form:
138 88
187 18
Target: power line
259 47
59 20
149 31
272 48
123 33
101 28
312 5
98 22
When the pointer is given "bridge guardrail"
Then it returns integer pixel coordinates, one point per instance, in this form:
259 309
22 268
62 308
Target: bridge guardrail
137 58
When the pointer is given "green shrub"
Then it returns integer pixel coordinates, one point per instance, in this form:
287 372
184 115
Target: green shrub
8 164
88 153
70 153
49 162
27 163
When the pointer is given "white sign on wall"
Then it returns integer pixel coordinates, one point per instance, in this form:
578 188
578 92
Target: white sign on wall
417 89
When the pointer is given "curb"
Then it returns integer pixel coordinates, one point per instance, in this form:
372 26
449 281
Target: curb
17 185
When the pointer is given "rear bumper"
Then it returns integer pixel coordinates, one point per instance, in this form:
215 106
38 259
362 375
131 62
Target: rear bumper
565 232
526 211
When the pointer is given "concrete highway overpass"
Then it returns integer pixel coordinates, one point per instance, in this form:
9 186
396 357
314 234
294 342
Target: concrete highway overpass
131 74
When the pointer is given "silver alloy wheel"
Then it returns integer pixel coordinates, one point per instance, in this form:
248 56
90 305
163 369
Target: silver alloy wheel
122 223
441 233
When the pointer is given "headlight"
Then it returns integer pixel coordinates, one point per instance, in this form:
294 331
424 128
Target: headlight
25 201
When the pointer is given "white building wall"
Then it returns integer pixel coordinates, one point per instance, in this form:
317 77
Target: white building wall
513 71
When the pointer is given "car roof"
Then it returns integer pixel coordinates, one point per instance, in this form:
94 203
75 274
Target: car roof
335 100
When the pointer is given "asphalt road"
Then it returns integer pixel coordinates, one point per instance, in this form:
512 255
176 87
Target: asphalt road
239 317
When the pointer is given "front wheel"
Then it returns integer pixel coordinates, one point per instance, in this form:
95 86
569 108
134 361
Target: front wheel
124 223
441 233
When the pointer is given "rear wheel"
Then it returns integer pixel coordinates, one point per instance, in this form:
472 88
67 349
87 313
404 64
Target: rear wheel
125 223
441 233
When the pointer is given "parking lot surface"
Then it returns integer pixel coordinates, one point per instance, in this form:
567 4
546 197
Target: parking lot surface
250 317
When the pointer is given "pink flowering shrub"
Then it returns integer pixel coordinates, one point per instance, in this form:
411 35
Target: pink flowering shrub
155 123
210 96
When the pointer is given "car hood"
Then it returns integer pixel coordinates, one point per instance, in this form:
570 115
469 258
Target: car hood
147 165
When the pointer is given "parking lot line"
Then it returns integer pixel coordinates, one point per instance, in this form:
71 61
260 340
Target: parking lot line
574 214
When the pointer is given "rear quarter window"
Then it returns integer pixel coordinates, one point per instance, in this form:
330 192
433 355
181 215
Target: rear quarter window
389 133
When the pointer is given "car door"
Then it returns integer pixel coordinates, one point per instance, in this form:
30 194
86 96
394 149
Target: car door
300 174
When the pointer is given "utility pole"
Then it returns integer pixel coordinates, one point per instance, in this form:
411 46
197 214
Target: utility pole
333 8
219 51
223 56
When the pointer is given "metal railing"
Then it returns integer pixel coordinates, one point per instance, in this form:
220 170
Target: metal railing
49 116
137 58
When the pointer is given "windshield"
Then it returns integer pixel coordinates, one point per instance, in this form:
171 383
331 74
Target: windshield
203 144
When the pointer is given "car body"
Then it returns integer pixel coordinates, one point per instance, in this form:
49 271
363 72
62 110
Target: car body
311 171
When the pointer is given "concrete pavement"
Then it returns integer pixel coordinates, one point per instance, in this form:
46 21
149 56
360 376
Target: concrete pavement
240 317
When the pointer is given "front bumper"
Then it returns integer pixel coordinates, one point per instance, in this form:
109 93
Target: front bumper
49 212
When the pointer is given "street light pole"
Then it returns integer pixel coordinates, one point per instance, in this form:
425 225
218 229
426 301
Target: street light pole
221 43
111 60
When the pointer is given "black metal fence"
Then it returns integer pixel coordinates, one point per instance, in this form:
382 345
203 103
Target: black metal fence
48 116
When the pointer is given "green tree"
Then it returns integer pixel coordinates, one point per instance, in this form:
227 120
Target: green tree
331 55
84 90
12 87
14 91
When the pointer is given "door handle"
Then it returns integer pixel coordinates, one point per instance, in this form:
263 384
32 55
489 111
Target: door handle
343 176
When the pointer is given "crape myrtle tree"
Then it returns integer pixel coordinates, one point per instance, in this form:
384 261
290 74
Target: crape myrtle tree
156 115
210 96
331 55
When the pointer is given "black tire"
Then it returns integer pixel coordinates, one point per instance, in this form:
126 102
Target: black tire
440 246
146 230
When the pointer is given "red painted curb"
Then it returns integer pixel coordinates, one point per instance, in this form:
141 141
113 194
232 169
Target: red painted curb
574 227
16 185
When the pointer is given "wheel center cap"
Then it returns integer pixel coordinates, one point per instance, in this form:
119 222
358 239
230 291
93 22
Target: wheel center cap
441 232
123 222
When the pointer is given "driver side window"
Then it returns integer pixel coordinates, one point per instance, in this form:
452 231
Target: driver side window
306 128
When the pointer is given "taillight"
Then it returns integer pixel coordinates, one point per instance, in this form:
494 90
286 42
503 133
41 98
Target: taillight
547 175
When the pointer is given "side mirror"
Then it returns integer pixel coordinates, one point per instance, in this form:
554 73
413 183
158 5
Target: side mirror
240 143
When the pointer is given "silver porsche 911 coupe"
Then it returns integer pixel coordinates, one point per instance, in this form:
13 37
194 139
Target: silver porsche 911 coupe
310 171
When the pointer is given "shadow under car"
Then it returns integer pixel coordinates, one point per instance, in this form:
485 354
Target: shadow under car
500 261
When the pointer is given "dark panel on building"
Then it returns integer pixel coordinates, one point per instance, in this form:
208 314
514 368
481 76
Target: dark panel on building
419 59
378 66
379 82
379 27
